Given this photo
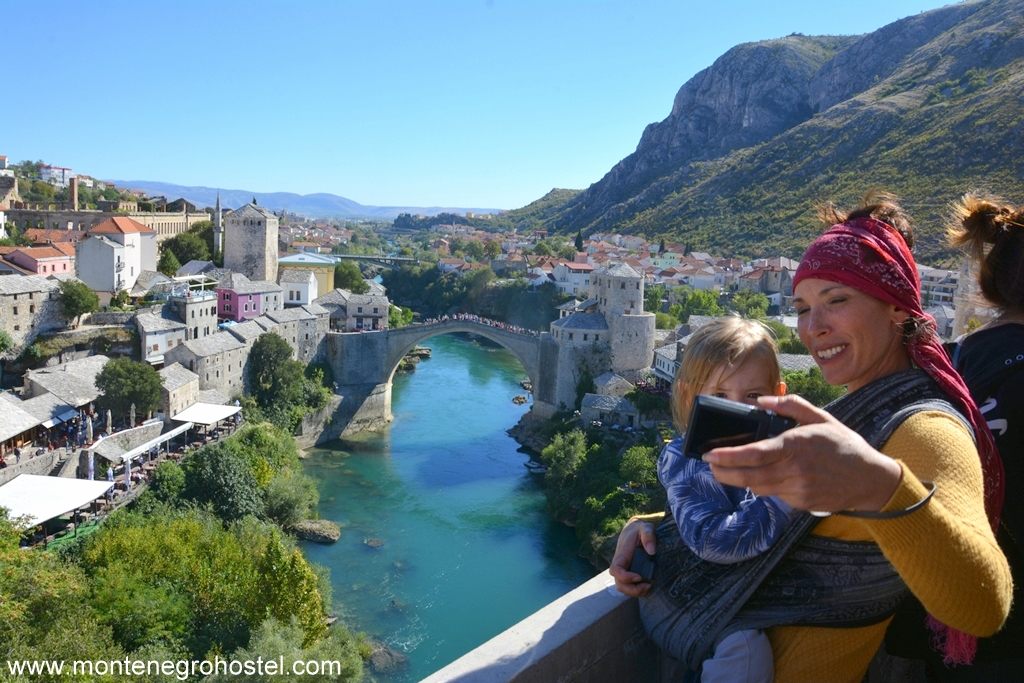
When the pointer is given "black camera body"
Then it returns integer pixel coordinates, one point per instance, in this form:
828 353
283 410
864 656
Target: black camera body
716 422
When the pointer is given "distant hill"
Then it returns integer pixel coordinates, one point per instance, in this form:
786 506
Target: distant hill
320 205
927 107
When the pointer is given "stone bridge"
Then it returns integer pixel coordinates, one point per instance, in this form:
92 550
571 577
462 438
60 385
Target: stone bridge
364 364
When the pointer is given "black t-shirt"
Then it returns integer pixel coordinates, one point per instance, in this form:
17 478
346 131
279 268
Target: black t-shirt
991 362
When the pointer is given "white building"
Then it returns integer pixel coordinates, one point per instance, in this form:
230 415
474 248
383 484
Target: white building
56 175
299 286
114 253
159 332
573 278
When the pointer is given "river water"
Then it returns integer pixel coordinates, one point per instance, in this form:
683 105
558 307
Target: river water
465 547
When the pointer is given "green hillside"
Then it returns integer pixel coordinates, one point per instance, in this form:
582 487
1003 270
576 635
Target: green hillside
928 107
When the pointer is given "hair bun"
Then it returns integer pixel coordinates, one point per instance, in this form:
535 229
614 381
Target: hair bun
982 219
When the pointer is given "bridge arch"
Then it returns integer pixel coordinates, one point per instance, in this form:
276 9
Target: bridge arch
525 347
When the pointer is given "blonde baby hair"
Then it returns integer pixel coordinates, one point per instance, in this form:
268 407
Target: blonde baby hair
723 342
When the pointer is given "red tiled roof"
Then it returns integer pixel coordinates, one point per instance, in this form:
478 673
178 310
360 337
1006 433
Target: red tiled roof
42 252
43 235
121 225
66 248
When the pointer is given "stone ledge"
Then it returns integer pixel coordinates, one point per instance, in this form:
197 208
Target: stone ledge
592 633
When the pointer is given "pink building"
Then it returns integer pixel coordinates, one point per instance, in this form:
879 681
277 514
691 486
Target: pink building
239 298
44 260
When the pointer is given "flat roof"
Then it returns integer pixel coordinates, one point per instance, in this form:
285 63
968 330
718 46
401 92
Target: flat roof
38 498
206 413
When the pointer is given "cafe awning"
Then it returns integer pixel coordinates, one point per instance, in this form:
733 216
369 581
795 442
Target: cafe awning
38 498
206 413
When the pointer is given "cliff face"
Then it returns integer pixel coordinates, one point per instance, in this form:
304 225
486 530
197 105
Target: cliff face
929 107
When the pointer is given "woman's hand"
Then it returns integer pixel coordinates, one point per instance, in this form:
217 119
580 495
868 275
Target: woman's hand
820 465
634 533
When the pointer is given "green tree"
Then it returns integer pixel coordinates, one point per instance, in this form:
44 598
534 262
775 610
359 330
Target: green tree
639 466
168 263
542 249
217 476
187 246
290 498
348 276
579 240
273 375
168 482
204 231
492 249
123 382
750 304
76 299
399 316
812 386
285 641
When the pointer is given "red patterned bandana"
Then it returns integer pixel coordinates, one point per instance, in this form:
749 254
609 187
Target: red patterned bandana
872 257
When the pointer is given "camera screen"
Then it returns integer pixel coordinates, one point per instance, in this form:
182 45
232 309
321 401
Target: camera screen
711 426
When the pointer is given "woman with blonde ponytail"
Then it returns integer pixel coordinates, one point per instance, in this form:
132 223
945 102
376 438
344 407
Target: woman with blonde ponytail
991 361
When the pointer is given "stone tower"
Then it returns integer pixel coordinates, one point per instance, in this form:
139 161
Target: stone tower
250 242
619 290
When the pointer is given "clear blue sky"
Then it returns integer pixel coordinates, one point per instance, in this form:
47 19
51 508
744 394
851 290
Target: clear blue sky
470 103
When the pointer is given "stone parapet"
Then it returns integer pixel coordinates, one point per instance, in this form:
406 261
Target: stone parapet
593 633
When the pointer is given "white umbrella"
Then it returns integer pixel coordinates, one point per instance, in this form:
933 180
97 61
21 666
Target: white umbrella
88 433
110 422
131 416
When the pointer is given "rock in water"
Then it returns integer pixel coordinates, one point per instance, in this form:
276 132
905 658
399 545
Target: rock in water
317 530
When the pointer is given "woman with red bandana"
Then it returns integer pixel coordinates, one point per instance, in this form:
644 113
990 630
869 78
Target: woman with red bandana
894 461
991 361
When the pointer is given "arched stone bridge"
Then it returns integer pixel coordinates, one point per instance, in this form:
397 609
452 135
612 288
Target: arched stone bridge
364 364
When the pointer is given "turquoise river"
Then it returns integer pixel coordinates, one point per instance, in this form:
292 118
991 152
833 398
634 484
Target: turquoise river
465 548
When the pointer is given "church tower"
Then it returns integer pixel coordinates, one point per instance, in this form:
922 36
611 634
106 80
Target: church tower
250 242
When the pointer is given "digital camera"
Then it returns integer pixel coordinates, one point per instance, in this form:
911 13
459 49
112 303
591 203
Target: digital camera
716 422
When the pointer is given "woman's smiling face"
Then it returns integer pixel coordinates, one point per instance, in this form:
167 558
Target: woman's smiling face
854 338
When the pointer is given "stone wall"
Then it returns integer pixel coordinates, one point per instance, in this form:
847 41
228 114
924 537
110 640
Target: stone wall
39 464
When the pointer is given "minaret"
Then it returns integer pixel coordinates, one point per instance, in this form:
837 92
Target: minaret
218 229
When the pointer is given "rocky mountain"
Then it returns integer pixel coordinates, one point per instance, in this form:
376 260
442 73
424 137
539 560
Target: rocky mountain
320 205
927 107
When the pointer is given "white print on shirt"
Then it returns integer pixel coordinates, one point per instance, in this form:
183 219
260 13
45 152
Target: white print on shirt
994 425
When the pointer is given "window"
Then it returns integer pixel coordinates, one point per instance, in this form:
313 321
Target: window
622 285
359 310
585 335
15 310
597 337
570 336
31 308
17 328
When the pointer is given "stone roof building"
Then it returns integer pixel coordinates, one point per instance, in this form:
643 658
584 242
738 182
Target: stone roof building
218 360
29 305
73 382
180 390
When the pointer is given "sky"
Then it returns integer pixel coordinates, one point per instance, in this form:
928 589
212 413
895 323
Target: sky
460 103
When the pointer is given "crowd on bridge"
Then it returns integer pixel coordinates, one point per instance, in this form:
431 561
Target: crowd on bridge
473 318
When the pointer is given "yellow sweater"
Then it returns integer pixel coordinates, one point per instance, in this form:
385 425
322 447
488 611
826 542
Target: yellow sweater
964 581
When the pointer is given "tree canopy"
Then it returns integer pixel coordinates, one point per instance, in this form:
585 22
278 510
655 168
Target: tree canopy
76 299
187 246
348 276
123 382
168 263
